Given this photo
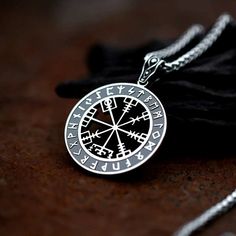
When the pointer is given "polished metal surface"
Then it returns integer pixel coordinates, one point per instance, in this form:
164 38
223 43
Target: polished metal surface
115 128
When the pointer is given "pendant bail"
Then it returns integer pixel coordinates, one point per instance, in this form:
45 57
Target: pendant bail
149 68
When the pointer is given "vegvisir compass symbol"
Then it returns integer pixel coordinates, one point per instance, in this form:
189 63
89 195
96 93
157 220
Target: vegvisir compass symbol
115 128
112 127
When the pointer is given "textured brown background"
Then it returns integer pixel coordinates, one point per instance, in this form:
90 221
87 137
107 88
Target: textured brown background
42 191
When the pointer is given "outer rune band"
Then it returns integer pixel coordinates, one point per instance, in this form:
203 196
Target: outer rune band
115 128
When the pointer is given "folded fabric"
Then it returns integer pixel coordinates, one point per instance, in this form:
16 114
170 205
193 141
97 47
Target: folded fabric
199 99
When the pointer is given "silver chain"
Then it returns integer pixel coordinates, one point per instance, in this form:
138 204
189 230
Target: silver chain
207 216
179 44
203 46
227 203
155 60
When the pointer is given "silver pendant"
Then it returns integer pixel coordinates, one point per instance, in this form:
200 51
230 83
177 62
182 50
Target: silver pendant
115 128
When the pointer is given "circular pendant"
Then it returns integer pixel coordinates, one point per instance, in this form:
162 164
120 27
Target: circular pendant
115 128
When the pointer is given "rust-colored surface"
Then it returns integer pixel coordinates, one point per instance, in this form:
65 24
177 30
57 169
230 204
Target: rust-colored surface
42 191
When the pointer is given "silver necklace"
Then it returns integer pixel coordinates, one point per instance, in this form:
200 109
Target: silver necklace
118 127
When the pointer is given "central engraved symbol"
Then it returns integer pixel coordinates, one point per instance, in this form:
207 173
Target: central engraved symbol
109 131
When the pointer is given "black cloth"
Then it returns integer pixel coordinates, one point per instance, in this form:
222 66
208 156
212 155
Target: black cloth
199 99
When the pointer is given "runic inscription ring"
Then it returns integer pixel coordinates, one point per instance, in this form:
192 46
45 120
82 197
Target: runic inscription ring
115 128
